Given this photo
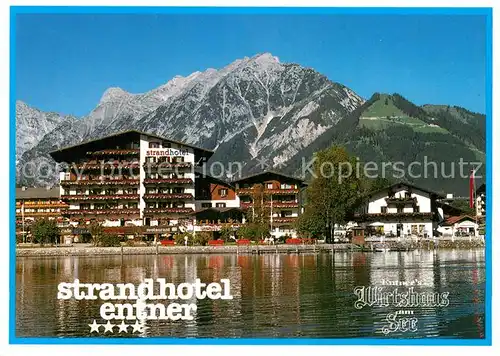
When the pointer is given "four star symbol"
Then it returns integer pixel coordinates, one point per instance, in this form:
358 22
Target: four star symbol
123 327
108 327
94 327
137 327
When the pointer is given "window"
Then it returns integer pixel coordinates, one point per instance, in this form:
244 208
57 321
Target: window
416 209
151 205
286 213
154 145
286 186
166 144
206 205
220 205
150 159
151 191
178 190
223 192
269 185
178 159
400 209
383 210
85 206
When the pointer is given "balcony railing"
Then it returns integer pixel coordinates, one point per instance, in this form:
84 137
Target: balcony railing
120 182
250 191
120 152
402 200
51 213
167 165
279 220
100 197
168 181
106 165
377 216
275 204
168 211
173 196
31 205
102 212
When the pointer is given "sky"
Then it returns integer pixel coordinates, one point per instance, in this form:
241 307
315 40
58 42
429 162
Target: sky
65 62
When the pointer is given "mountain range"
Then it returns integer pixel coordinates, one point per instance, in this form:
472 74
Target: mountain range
266 115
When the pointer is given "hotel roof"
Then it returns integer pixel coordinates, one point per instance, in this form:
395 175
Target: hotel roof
37 193
59 154
401 184
269 174
455 219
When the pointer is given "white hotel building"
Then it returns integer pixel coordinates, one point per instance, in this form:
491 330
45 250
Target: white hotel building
401 210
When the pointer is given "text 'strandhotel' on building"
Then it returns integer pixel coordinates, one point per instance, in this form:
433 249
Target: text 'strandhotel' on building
128 180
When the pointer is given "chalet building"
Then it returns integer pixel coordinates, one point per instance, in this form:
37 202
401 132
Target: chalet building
400 210
280 199
459 226
130 179
38 203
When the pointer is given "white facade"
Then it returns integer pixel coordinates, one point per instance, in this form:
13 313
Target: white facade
406 213
463 227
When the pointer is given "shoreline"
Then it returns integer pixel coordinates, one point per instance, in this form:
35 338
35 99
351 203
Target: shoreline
88 250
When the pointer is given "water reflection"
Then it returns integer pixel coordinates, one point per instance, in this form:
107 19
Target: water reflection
274 295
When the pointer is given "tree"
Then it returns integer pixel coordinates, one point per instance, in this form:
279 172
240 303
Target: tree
45 231
333 192
97 233
258 216
310 224
226 233
254 231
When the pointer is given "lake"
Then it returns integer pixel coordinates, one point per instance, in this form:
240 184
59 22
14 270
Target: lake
416 294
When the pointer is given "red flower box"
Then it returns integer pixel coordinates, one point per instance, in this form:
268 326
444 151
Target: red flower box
167 242
294 241
243 242
215 242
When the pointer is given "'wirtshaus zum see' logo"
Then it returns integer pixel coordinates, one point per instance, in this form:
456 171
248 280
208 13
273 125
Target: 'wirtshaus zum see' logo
141 302
404 297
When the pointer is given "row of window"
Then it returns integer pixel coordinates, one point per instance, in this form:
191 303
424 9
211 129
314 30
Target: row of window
104 206
272 186
165 205
109 191
165 190
165 159
210 205
383 209
164 144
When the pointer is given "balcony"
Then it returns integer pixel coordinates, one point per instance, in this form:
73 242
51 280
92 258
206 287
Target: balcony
282 220
42 205
249 191
120 152
85 212
106 165
275 204
41 214
168 181
174 196
402 200
158 211
100 197
392 216
100 182
167 165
